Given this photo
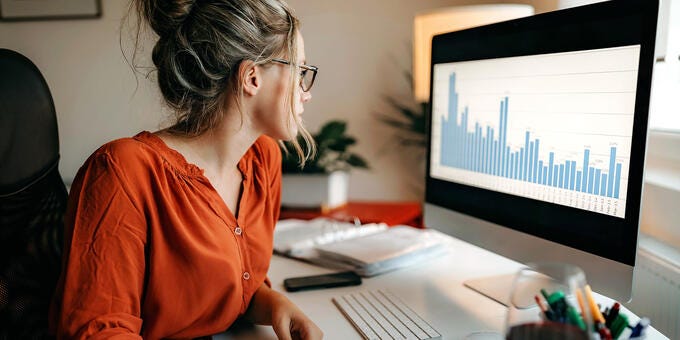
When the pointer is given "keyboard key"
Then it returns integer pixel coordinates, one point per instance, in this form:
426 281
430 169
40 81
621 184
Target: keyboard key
353 317
381 315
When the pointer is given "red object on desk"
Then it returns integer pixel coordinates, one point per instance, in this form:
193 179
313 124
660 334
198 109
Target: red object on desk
390 213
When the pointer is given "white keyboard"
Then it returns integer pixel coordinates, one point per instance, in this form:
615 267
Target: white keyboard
381 315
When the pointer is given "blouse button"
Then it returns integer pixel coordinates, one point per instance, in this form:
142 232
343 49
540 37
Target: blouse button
238 231
246 275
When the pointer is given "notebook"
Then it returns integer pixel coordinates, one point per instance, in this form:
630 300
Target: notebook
368 250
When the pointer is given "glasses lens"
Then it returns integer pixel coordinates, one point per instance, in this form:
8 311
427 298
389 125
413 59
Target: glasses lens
307 79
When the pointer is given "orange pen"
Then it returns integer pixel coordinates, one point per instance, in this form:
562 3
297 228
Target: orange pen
597 315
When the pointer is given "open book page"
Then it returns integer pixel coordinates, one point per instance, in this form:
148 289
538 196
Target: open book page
297 238
368 249
387 250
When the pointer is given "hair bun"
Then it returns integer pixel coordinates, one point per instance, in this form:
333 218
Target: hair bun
166 16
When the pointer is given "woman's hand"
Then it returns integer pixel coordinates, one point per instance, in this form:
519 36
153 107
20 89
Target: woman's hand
269 307
289 322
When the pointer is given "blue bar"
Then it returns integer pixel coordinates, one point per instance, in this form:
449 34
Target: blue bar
458 146
473 152
531 162
491 143
501 133
463 136
506 155
555 179
586 177
596 191
540 173
578 181
497 155
551 182
535 160
618 180
521 164
471 145
545 175
572 175
482 154
516 166
612 161
487 154
507 162
495 160
512 163
459 143
480 150
562 176
525 164
490 152
466 152
604 185
449 146
567 166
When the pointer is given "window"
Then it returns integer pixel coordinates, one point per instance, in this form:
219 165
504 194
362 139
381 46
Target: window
660 219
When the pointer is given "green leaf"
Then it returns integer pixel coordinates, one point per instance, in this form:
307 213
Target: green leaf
331 130
332 144
341 143
395 123
357 161
405 111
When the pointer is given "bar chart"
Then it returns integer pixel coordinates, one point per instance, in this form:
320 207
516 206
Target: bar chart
538 129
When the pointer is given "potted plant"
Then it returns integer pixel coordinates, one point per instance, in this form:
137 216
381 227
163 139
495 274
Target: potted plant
408 119
322 183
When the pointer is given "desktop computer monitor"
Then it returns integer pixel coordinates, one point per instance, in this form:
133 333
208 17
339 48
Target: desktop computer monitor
537 136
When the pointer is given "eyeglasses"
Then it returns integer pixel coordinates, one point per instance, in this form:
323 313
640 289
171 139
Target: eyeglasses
307 75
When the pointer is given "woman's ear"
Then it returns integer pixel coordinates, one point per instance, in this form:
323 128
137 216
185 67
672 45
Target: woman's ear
252 77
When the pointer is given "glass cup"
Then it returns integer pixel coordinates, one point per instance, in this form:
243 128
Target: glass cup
547 302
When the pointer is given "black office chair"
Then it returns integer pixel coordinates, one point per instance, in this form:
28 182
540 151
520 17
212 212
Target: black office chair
32 199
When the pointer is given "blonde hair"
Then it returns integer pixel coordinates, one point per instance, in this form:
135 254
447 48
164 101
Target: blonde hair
201 44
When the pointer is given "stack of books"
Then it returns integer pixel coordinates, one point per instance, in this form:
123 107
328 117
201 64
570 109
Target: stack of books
368 249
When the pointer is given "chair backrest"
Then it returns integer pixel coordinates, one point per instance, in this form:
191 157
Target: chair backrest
32 199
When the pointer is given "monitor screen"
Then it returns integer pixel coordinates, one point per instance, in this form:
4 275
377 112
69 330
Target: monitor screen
553 127
538 125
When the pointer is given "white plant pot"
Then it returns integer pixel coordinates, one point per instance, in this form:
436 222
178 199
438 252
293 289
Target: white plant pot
315 191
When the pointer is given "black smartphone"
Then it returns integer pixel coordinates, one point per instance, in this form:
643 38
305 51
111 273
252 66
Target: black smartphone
342 279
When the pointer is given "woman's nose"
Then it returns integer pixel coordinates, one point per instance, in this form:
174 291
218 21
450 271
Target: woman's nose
306 96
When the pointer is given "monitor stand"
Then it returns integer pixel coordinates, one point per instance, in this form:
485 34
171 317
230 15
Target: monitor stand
498 288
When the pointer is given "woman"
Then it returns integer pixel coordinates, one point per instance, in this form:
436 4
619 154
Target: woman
169 234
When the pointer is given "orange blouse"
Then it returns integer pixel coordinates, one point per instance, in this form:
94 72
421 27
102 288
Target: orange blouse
151 248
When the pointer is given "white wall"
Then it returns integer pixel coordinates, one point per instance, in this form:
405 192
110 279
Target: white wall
92 86
361 46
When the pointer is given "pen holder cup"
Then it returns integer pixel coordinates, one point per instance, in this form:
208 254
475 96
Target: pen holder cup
544 303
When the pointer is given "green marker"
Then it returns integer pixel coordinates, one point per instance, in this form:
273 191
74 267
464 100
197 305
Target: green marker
558 304
619 325
575 317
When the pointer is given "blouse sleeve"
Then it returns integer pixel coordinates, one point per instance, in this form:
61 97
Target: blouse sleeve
100 291
275 182
273 162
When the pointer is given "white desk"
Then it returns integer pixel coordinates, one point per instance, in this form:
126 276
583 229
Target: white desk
434 290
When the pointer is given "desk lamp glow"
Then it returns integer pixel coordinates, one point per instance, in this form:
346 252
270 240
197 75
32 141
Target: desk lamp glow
428 24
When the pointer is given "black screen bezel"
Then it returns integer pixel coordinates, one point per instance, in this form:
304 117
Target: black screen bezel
602 25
